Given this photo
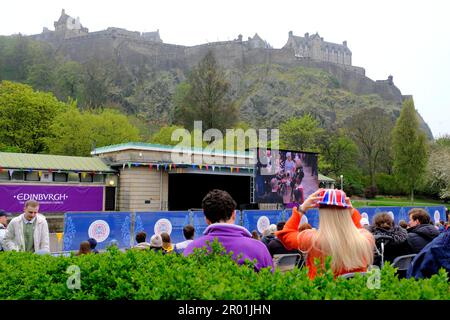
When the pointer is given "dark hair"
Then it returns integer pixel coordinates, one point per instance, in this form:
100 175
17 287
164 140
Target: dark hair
304 226
403 224
255 235
85 247
188 231
280 225
165 237
92 242
420 214
141 236
218 206
383 220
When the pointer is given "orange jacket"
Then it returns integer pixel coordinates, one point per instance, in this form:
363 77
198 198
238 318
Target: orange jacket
292 239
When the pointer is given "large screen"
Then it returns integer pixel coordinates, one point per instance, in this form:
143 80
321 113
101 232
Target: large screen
285 176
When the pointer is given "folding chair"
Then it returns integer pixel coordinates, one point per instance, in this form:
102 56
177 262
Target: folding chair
351 275
286 262
402 264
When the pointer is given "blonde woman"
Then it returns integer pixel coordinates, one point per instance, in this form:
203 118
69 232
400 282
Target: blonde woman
351 249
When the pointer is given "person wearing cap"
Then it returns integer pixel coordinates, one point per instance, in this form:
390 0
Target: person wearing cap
28 232
220 215
3 224
351 249
156 243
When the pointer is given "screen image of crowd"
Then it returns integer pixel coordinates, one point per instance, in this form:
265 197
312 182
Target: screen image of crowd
285 177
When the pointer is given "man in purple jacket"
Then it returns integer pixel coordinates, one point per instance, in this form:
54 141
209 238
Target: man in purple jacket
218 207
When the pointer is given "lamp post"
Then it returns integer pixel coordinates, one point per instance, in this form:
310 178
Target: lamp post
342 177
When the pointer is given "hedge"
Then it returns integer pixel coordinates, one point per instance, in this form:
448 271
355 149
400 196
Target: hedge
153 276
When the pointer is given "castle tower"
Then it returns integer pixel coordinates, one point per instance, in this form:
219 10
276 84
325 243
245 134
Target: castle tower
68 27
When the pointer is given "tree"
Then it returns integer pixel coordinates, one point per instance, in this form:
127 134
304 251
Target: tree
75 133
301 134
371 129
205 97
410 148
338 155
25 117
438 170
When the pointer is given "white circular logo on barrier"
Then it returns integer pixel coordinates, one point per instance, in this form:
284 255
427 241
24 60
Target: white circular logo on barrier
304 220
99 230
437 216
262 224
163 225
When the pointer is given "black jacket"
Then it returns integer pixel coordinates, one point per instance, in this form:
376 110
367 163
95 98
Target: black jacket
420 235
396 246
276 247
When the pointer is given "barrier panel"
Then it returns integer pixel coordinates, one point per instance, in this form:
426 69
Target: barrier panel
102 226
199 222
260 219
311 217
152 223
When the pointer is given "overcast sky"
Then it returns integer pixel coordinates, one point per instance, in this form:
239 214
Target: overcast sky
407 39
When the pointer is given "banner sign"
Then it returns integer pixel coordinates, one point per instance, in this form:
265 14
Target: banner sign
200 224
311 217
171 222
260 219
51 198
105 227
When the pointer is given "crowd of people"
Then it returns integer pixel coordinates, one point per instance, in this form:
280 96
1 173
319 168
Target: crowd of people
351 241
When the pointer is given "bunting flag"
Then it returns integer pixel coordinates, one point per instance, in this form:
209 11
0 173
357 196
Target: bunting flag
150 166
123 166
11 172
174 166
165 166
157 167
170 167
83 175
206 167
1 169
200 166
129 164
40 174
50 170
193 166
237 170
231 168
214 168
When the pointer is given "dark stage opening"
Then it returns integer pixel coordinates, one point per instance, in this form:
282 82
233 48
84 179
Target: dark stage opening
187 190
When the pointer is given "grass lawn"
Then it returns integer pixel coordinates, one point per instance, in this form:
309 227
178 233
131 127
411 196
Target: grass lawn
381 201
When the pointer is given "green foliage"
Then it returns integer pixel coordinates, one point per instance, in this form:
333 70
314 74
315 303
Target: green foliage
388 184
25 117
164 136
410 149
302 133
371 131
206 98
438 171
76 133
148 275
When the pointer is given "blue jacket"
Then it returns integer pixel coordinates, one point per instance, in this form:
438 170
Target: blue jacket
433 256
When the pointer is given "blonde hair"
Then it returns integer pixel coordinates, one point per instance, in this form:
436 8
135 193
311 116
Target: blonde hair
339 238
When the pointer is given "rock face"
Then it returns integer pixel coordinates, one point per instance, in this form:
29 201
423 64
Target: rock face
251 65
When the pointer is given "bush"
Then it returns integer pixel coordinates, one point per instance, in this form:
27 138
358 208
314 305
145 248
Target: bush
152 276
388 185
370 192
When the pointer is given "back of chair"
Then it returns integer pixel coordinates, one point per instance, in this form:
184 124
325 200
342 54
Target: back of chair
403 262
286 262
351 275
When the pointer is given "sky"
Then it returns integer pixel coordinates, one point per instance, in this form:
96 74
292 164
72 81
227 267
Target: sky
409 40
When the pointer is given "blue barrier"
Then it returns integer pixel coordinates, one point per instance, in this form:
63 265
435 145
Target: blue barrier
103 226
260 219
171 222
108 226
